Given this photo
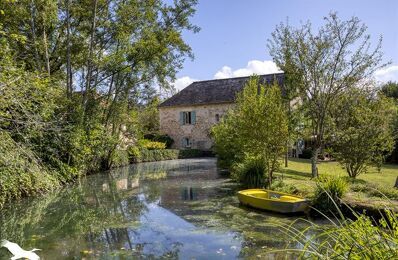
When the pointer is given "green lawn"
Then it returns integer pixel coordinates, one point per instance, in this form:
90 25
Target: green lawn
364 190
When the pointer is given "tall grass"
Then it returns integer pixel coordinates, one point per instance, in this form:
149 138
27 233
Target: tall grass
328 193
361 238
250 173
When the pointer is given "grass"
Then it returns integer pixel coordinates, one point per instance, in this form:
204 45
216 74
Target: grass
363 190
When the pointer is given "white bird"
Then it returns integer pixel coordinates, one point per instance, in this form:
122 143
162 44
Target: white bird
18 252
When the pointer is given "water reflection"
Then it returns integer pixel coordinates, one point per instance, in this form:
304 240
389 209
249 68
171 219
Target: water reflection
174 209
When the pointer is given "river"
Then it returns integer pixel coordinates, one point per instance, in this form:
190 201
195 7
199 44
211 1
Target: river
179 209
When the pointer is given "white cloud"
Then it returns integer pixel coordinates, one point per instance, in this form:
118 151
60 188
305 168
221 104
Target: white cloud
183 82
252 67
387 74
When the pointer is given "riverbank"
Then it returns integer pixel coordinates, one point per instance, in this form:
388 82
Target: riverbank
371 191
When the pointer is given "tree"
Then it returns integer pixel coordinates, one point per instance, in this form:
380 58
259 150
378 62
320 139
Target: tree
390 89
323 65
257 127
363 133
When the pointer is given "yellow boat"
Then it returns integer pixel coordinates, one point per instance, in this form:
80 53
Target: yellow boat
273 201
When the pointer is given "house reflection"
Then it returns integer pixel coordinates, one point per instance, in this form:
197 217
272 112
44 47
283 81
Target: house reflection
189 193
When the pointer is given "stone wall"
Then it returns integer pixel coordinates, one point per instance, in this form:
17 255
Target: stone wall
198 133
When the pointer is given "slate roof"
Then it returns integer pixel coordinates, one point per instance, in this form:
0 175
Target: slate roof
215 91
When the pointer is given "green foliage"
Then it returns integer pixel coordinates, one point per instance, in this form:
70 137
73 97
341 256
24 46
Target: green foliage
328 193
163 138
390 89
321 64
21 172
363 133
114 52
141 154
279 185
250 173
189 153
151 145
119 158
257 127
306 154
144 155
348 239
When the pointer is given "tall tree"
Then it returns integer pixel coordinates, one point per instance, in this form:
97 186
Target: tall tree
323 65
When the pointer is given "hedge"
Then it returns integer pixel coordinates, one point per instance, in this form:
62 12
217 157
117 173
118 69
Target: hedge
144 155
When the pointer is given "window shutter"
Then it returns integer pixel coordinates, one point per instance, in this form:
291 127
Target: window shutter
182 142
193 115
181 118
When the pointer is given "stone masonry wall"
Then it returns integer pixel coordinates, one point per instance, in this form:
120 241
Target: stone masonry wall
198 133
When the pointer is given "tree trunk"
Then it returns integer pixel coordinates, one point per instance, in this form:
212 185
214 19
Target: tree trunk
90 55
287 155
314 161
396 183
33 28
69 82
270 173
46 50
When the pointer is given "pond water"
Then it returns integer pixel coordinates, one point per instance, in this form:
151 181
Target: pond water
185 209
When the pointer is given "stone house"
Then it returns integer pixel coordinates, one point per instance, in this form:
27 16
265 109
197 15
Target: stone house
189 115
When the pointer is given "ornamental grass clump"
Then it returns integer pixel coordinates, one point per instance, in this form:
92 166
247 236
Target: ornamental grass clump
250 173
328 193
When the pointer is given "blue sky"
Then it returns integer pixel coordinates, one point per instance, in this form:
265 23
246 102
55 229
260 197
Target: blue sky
234 33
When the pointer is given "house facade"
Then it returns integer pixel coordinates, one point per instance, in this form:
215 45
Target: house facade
188 116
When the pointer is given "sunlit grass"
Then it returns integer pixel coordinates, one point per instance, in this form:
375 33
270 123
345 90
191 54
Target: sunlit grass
299 174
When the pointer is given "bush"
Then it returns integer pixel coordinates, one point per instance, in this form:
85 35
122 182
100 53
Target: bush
140 154
250 173
119 158
160 138
164 139
329 192
152 145
145 155
190 153
21 172
307 153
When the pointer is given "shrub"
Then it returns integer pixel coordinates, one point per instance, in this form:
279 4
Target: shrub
160 138
250 173
329 192
190 153
140 154
306 154
152 145
167 140
119 158
144 155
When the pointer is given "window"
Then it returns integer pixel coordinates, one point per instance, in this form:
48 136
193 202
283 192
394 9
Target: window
186 142
217 118
187 118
